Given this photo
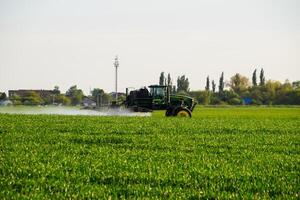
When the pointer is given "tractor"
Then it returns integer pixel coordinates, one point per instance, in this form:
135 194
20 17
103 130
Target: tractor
159 98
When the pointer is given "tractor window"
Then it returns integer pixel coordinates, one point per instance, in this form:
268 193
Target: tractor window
158 92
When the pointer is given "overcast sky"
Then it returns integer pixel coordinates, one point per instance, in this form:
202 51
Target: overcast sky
44 43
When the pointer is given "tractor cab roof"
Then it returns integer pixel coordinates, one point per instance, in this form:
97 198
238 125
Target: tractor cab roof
157 86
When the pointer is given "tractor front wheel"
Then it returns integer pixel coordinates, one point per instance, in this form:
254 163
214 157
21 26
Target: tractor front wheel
169 112
183 112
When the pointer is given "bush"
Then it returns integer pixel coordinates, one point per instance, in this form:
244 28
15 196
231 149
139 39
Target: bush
235 101
17 102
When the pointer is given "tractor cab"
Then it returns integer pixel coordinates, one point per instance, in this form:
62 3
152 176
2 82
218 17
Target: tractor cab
158 91
159 96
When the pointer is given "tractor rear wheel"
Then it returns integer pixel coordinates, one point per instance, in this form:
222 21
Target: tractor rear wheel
183 112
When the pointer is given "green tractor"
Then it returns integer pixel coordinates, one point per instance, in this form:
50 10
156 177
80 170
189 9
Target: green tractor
159 98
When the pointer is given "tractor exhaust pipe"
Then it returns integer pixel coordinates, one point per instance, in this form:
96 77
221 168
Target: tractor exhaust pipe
168 93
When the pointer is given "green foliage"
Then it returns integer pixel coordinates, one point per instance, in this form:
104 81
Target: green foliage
75 95
235 101
262 77
32 98
202 97
226 95
254 79
183 84
56 90
213 85
3 96
215 99
162 79
103 98
236 153
221 83
296 85
63 99
97 92
239 84
284 94
169 80
207 86
16 99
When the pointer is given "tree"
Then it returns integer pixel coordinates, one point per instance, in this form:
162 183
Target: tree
106 98
182 84
75 95
97 95
56 90
254 79
16 99
283 95
269 91
207 87
2 96
205 95
162 78
97 92
32 98
221 83
262 77
63 99
103 98
255 94
202 96
239 83
229 96
213 85
235 101
169 80
296 85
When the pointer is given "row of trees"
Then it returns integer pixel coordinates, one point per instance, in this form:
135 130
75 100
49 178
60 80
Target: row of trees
239 90
73 96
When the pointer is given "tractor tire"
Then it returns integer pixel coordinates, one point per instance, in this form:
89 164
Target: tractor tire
183 112
169 112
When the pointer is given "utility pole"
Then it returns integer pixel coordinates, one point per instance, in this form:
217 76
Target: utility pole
116 65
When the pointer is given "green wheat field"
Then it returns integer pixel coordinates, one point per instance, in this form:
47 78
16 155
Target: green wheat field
225 153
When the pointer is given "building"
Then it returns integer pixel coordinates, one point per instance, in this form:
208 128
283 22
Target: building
87 102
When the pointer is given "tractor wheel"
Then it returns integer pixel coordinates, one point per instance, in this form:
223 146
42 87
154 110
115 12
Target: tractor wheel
169 112
183 112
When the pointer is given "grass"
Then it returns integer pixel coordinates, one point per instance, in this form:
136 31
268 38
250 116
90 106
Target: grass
247 153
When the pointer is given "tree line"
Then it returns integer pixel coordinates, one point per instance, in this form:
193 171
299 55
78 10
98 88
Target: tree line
238 90
73 96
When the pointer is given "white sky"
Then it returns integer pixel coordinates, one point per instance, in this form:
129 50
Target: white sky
44 43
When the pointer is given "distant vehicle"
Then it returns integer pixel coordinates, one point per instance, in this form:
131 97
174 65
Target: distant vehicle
159 98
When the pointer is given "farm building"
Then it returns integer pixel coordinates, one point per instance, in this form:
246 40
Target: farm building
87 102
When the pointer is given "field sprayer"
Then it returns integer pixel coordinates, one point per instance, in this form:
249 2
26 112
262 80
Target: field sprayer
159 98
